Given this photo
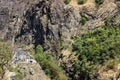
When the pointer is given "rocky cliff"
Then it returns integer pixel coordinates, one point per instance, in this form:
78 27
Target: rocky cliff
47 22
52 23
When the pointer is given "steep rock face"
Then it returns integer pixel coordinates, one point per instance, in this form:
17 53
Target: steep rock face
47 23
4 19
51 22
107 10
11 12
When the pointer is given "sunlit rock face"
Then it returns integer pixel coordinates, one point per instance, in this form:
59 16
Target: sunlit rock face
11 14
52 24
47 22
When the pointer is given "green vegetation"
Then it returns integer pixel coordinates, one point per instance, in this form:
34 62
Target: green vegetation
96 47
81 1
49 64
67 1
111 64
19 73
1 40
78 1
5 55
22 45
83 19
99 2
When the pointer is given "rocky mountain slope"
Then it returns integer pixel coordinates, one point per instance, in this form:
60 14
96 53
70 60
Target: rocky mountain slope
53 24
23 66
46 22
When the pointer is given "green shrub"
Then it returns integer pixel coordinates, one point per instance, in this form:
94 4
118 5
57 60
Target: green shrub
19 73
5 56
22 45
81 1
83 20
96 43
1 40
67 1
96 47
39 49
111 64
49 64
99 2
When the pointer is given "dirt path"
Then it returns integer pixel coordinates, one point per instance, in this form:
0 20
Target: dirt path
75 4
66 52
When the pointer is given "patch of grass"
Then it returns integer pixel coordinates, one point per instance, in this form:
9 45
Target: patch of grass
111 64
11 69
5 56
19 76
1 40
96 47
19 73
99 2
22 45
83 20
81 1
49 64
67 1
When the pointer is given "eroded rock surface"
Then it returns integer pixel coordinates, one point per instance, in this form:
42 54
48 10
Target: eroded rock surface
23 64
46 22
51 22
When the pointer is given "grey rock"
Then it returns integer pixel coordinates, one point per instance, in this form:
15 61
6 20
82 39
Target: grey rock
46 22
